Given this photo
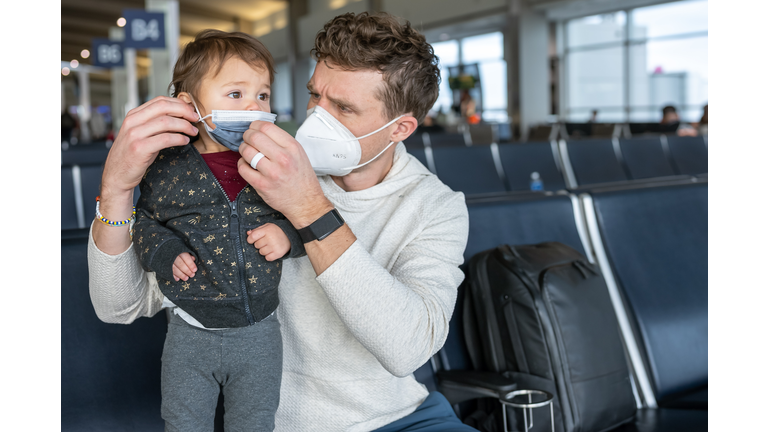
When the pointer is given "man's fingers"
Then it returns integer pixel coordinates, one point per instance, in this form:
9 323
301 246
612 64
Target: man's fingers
258 141
159 106
163 124
276 135
252 176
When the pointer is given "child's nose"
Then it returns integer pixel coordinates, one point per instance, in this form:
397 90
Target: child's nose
253 105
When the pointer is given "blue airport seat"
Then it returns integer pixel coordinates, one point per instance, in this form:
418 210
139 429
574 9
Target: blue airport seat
656 241
482 134
524 219
594 161
521 159
85 155
468 169
447 139
90 176
504 132
689 154
645 158
110 373
68 203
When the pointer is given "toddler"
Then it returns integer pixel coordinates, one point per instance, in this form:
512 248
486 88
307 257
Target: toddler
215 246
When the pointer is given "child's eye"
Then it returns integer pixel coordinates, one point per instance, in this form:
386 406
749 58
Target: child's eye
235 95
264 96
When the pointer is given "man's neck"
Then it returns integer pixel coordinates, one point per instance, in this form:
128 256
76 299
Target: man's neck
367 176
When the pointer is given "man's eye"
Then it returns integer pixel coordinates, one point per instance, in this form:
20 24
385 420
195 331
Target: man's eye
314 95
343 109
235 95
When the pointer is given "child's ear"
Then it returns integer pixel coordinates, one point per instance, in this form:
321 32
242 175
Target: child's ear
185 97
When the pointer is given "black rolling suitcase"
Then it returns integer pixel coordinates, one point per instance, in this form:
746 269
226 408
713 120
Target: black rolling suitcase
542 315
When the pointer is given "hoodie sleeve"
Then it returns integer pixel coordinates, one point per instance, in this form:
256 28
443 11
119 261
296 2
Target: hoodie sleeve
401 315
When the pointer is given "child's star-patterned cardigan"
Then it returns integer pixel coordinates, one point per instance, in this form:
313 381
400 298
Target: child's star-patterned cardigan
182 208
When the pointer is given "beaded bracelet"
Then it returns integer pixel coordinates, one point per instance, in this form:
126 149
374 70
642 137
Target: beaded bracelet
113 223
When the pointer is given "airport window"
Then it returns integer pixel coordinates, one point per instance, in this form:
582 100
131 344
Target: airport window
629 64
448 53
487 52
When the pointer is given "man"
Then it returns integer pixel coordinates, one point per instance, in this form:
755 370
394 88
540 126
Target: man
372 300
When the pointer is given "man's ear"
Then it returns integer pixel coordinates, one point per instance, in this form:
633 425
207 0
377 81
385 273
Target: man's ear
406 125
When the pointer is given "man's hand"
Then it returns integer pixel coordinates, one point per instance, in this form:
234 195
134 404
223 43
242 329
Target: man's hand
184 267
270 240
284 179
146 130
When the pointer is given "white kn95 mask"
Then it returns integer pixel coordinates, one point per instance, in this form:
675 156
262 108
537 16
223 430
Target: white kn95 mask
331 147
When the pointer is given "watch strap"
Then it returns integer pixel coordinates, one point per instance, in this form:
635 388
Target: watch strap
322 227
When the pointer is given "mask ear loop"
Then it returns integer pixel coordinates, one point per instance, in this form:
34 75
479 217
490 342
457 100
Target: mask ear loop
385 148
200 117
372 159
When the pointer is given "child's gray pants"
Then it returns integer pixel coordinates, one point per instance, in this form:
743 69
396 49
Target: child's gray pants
244 363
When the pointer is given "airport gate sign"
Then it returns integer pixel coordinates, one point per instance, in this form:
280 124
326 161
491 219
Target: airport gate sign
144 29
107 53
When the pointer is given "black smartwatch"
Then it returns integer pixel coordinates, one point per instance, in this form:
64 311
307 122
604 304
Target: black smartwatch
322 228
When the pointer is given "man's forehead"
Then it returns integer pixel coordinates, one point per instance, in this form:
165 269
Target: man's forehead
359 86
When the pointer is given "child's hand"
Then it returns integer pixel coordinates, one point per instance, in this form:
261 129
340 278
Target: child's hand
270 240
184 266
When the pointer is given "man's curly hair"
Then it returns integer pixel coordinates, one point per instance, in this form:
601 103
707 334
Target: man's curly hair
380 42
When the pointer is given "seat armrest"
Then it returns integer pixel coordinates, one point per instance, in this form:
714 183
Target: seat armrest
462 385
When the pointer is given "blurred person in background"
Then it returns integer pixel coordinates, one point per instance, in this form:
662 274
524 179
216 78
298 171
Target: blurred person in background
702 126
468 108
669 116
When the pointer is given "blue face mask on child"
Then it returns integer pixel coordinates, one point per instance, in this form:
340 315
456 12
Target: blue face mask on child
231 125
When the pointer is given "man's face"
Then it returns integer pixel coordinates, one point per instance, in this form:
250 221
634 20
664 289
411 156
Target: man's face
350 96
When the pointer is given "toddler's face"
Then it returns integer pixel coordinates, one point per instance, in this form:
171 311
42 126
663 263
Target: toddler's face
237 86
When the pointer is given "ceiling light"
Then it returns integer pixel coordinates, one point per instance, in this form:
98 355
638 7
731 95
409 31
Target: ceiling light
65 71
85 53
74 64
121 22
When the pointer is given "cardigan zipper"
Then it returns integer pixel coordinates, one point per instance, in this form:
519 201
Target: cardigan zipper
234 232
